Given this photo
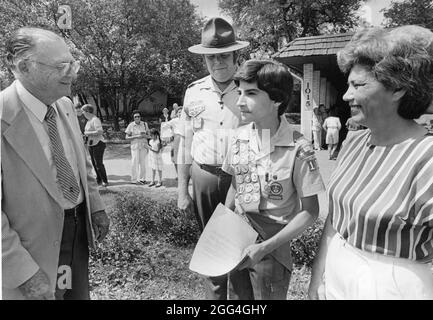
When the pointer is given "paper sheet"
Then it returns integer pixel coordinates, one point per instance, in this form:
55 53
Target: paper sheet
219 249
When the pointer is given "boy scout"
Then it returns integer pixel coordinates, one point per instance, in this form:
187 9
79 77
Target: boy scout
275 180
209 113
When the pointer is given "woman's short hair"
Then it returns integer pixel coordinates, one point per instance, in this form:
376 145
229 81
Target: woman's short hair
272 77
88 108
400 59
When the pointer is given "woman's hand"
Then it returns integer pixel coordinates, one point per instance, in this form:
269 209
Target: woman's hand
316 289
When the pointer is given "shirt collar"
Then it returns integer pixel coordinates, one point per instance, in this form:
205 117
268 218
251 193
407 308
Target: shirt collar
210 83
33 104
282 138
284 135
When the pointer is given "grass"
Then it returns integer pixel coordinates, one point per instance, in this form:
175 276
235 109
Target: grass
156 270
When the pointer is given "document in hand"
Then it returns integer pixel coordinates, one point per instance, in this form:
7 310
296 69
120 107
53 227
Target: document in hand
220 247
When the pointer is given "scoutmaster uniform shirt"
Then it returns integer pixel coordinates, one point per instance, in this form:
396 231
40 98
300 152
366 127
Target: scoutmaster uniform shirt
271 176
209 115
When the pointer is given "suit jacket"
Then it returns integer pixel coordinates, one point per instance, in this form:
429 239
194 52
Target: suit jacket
32 216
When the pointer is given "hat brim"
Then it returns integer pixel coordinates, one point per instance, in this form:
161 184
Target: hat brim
200 49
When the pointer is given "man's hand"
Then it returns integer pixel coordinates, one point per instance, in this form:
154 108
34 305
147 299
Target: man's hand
37 287
100 223
185 203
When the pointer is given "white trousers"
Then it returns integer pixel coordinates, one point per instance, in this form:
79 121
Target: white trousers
138 167
317 137
354 274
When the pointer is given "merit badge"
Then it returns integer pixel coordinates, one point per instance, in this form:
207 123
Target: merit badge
240 198
243 159
239 179
247 178
241 188
249 188
256 187
235 159
252 157
244 168
275 191
243 147
248 198
237 169
254 177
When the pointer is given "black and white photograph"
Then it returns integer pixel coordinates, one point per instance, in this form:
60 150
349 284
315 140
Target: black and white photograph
223 150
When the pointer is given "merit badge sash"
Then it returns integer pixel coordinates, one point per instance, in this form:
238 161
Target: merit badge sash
246 176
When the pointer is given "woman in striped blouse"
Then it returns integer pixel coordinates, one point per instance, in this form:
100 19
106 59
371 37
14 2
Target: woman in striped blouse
377 241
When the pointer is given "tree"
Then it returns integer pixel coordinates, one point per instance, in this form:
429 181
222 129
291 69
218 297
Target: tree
418 12
268 24
128 49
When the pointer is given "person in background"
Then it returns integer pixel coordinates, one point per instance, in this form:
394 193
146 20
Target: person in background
352 126
275 180
173 123
165 115
317 127
51 208
81 120
377 241
332 126
174 112
209 113
138 133
95 141
323 115
155 157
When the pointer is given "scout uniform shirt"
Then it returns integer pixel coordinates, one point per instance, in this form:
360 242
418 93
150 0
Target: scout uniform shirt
209 115
137 129
271 178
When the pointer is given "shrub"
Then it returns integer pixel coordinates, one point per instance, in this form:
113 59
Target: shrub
304 248
134 218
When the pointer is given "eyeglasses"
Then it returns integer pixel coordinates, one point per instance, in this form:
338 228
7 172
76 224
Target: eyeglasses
137 117
64 67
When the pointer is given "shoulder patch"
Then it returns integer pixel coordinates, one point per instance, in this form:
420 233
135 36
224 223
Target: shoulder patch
306 153
297 135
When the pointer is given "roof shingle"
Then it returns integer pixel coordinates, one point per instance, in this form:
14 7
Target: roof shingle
317 45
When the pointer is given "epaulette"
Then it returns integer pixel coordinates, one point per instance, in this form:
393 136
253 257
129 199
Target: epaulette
192 84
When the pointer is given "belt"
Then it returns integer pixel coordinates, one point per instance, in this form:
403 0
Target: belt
216 170
75 211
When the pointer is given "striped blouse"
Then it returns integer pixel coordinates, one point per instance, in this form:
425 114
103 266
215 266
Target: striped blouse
381 197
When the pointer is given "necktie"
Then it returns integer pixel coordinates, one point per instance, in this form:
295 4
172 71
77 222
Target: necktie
65 175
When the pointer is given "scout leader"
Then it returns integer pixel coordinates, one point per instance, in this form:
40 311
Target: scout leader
209 114
275 179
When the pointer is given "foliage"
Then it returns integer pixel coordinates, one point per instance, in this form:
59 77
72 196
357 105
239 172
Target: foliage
269 24
133 216
128 49
147 252
304 248
418 12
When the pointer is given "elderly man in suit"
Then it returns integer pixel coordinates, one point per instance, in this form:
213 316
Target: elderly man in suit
51 209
